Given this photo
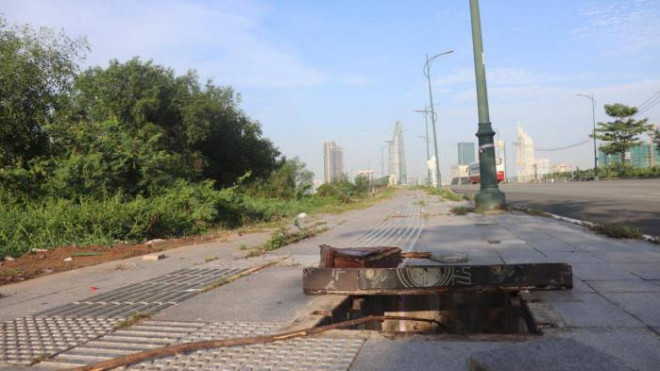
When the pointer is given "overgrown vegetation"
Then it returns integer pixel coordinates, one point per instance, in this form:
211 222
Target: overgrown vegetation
445 193
286 236
131 152
134 319
618 230
461 210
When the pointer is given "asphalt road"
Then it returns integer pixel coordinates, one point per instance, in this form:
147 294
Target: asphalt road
609 201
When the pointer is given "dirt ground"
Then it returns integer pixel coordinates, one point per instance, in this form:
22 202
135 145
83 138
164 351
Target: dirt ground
39 263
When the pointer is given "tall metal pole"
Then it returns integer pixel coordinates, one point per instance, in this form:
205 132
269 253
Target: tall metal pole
428 153
489 196
593 117
427 73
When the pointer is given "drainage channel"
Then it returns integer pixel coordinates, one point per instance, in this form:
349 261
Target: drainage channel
487 313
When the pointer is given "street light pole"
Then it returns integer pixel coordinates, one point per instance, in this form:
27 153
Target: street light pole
593 117
427 73
428 153
489 196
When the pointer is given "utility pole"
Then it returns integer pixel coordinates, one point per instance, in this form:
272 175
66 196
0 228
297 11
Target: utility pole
593 117
489 197
427 73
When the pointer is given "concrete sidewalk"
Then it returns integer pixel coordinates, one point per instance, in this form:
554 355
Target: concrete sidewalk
613 310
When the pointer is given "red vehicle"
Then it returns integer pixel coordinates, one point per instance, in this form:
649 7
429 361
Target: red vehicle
474 173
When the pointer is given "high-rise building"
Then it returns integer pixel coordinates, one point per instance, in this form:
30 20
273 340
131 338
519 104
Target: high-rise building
397 164
333 162
466 153
525 160
638 157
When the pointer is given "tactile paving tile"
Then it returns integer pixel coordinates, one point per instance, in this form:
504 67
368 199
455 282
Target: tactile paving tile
295 354
24 340
160 292
142 336
400 230
150 296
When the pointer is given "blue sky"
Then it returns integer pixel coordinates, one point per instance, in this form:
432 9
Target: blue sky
312 71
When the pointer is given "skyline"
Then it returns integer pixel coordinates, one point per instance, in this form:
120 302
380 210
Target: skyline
346 71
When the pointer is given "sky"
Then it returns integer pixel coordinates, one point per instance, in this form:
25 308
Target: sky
346 71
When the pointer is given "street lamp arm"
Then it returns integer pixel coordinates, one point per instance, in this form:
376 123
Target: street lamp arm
427 65
438 55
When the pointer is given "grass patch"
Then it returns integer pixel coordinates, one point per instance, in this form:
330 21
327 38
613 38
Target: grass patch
618 230
40 358
445 193
134 319
216 284
285 236
461 210
183 210
209 259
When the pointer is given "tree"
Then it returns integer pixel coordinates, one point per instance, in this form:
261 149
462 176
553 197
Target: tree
621 134
202 124
36 72
291 180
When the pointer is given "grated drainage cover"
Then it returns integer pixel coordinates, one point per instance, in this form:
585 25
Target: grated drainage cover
25 340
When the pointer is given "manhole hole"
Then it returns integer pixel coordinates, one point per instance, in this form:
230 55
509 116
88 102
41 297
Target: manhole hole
456 313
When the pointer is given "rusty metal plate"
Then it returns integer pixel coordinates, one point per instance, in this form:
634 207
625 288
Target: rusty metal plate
426 279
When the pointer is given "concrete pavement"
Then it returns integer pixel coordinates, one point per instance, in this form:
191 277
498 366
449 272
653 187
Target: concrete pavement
612 310
607 201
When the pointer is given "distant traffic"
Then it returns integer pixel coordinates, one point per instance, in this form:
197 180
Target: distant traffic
473 171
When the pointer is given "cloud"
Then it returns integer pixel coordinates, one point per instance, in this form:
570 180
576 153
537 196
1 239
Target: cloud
509 76
225 40
621 27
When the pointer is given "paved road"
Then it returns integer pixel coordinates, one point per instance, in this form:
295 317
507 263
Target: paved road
635 201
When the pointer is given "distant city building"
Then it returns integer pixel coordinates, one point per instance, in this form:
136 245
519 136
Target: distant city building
466 153
561 168
369 174
397 157
525 160
639 157
542 167
459 174
333 162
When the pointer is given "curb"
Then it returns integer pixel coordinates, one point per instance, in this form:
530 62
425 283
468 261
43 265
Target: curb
583 223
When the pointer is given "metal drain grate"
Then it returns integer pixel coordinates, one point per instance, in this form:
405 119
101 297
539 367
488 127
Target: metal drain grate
149 296
27 339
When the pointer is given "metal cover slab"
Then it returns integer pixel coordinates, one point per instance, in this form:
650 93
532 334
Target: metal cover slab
419 280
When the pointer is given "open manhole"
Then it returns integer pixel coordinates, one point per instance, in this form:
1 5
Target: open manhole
455 313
